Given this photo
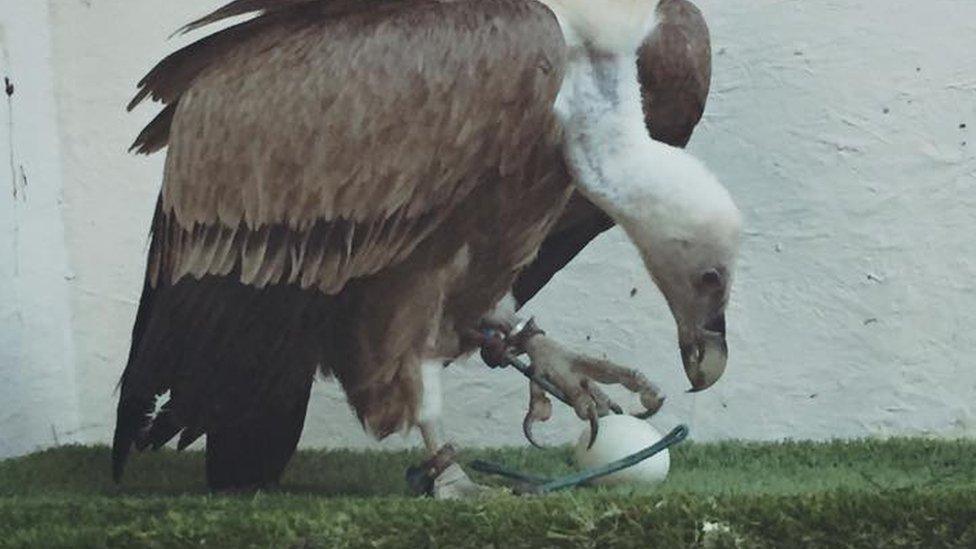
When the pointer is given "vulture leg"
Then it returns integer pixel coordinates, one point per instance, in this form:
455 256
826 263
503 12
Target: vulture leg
439 476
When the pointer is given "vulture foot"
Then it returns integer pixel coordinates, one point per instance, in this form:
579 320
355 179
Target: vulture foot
569 376
455 484
576 377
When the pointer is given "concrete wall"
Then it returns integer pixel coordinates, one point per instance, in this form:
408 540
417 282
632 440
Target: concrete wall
38 399
844 130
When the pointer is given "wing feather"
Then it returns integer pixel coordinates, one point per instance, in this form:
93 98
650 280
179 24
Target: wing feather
349 120
242 7
307 147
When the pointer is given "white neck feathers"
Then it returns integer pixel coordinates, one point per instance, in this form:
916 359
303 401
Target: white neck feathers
648 187
613 26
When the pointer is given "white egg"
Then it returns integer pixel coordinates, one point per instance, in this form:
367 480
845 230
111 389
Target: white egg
618 437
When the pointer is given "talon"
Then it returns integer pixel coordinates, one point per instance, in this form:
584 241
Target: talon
527 424
647 413
540 409
652 403
594 426
604 405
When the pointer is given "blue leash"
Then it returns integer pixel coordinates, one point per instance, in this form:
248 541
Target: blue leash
534 484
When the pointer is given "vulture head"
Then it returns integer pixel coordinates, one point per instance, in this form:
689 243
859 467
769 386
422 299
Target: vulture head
690 249
686 228
675 211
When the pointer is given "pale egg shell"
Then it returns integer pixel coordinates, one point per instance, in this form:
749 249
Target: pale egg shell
618 437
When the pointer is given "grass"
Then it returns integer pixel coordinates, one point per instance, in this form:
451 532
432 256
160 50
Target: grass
895 493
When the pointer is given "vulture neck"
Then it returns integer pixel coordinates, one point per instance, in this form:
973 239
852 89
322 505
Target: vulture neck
647 187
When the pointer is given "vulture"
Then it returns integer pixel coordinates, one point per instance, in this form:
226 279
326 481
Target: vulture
371 188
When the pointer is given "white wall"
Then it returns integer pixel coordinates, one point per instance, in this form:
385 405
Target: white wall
836 125
37 380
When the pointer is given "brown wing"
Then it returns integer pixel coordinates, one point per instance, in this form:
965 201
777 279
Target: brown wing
674 65
266 167
675 68
312 145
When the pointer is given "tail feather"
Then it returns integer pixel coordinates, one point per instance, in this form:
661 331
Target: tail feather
254 454
238 363
133 417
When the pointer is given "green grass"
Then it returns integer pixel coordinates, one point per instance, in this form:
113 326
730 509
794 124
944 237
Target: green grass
895 493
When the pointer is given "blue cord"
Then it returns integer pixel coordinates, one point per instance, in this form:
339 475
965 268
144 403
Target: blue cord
541 485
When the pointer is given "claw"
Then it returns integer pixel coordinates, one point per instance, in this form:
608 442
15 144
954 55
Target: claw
604 404
540 409
594 419
646 414
527 424
652 404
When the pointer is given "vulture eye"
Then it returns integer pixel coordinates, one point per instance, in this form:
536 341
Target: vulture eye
711 279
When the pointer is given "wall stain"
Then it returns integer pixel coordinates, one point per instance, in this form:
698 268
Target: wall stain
18 177
23 184
8 87
19 184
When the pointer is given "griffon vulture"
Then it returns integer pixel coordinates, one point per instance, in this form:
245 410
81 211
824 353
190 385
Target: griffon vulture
353 186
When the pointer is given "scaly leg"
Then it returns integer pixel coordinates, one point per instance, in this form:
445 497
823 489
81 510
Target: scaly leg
439 475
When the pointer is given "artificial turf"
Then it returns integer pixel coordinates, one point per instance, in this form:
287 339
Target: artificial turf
893 493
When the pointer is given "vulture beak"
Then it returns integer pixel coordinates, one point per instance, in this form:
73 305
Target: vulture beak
704 353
